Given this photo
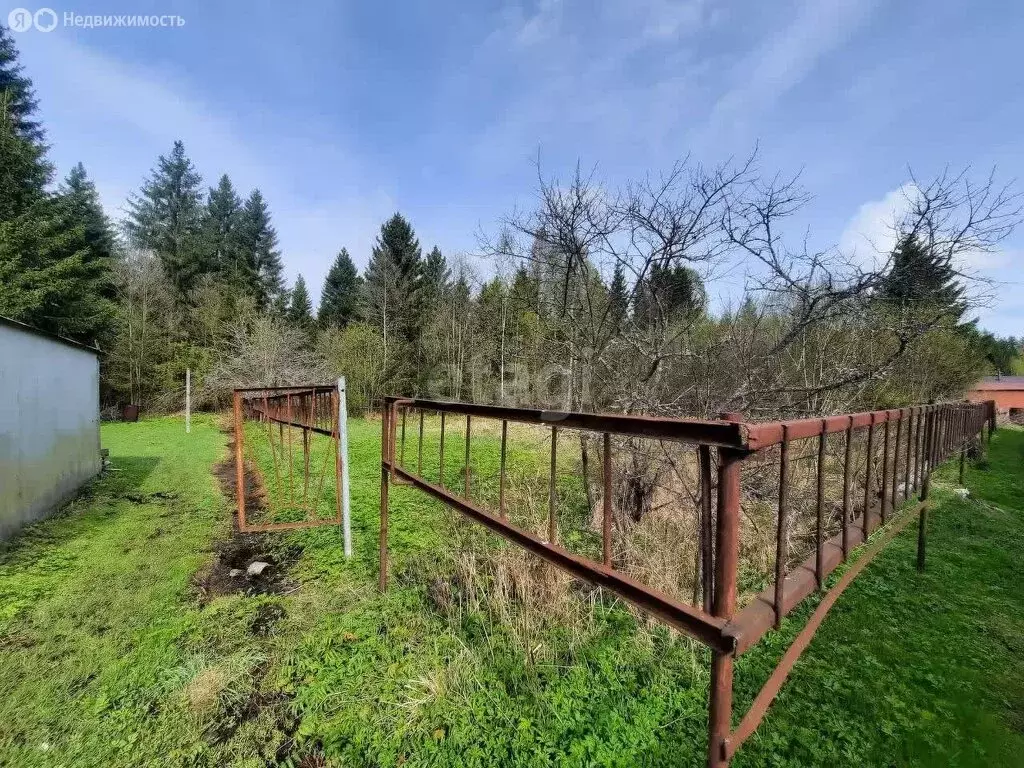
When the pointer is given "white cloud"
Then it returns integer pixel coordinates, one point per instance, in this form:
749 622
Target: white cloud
870 235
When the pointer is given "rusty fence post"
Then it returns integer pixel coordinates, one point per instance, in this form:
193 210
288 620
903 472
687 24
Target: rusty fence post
707 543
869 479
239 461
847 469
893 503
385 475
726 566
930 430
782 528
606 502
553 489
501 471
884 501
819 509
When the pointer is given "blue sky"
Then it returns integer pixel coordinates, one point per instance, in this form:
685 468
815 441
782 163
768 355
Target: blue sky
343 113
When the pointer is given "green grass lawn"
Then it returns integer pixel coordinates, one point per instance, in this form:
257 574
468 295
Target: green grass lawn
109 658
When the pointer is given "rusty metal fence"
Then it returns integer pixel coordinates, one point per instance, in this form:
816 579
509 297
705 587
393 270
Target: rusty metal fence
822 486
286 422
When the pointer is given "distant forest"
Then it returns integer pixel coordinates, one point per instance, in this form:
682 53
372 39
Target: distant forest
594 299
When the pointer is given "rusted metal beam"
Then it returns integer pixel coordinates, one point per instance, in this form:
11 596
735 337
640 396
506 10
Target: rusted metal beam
714 433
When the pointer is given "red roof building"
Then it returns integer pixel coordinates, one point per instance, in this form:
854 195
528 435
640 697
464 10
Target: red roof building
1007 391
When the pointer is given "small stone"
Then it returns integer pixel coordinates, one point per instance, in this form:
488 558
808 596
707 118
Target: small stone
235 573
256 568
963 493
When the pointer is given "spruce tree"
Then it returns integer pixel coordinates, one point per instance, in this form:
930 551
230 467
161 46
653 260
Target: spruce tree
618 299
221 236
437 279
669 292
300 308
83 202
165 217
24 169
339 301
394 279
258 241
79 204
49 276
920 277
54 248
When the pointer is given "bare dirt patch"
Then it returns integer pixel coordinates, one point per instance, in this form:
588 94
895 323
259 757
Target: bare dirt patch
238 566
234 569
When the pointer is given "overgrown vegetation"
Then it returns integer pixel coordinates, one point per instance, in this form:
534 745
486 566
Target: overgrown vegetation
112 657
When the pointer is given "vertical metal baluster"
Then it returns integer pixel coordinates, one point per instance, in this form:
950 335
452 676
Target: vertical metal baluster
782 527
307 405
919 446
707 542
401 458
466 485
291 452
606 503
441 453
847 472
869 477
501 477
884 501
419 452
553 489
962 430
385 466
819 551
893 503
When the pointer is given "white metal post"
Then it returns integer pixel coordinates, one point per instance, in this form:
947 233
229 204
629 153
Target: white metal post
346 521
188 400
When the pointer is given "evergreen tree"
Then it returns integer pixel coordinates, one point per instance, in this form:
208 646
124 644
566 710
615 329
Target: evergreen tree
80 203
258 240
618 299
300 308
525 294
165 217
221 236
668 293
24 169
49 275
394 280
437 279
339 301
84 205
921 277
54 249
19 99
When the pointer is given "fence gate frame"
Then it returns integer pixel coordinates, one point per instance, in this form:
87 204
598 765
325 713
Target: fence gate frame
932 433
314 409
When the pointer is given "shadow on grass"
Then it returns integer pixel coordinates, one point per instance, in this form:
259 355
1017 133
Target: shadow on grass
97 499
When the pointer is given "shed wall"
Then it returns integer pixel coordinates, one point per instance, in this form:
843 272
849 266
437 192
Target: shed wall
49 424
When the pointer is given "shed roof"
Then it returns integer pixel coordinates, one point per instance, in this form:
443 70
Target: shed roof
46 334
